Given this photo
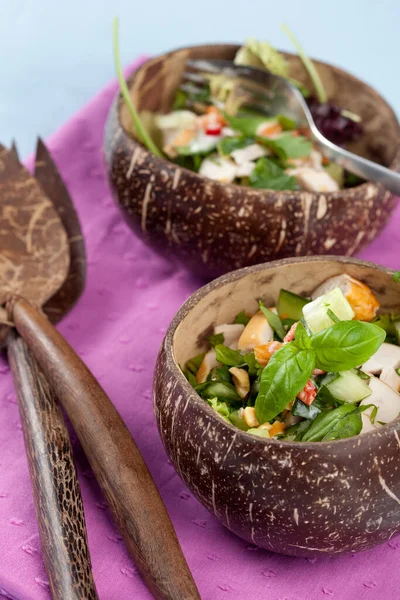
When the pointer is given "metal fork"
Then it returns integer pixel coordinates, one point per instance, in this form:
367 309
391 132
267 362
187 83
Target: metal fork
274 95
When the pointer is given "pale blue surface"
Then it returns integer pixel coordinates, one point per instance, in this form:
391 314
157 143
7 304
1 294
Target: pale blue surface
55 55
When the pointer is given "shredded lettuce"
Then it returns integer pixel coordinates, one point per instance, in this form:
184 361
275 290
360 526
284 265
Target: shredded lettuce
220 407
262 55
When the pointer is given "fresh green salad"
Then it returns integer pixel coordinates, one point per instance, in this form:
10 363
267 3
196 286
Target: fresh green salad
212 130
308 370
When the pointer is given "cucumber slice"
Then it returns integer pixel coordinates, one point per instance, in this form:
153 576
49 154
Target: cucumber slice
237 421
316 312
349 387
259 432
290 306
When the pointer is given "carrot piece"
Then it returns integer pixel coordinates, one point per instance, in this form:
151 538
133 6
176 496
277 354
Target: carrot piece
276 428
264 352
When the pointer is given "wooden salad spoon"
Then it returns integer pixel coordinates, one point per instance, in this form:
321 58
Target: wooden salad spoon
56 490
34 250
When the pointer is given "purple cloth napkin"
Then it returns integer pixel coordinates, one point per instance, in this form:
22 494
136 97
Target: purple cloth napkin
117 328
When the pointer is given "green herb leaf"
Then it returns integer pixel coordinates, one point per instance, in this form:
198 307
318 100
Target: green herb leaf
180 100
332 315
334 424
285 375
220 374
241 319
229 144
307 412
227 356
374 412
286 123
247 125
268 175
363 375
396 276
288 146
252 364
295 432
215 339
308 64
273 320
194 363
301 339
222 390
190 377
346 345
136 120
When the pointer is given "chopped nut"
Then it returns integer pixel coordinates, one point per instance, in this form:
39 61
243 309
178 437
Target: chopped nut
249 416
266 426
241 381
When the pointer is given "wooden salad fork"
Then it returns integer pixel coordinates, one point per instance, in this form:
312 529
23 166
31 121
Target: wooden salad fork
39 265
55 485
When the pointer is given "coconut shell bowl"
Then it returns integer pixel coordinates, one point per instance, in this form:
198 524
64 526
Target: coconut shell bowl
295 498
213 227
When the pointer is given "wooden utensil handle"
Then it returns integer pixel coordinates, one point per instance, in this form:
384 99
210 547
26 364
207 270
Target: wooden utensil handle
116 461
56 490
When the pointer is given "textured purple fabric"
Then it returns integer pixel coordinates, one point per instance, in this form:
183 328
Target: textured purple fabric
117 328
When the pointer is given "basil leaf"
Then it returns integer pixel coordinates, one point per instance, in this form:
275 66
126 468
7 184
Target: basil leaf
345 428
194 363
227 356
268 175
229 144
396 276
215 339
273 320
301 339
285 375
241 319
328 424
346 345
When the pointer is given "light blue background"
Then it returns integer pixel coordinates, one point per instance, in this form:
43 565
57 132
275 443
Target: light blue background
56 54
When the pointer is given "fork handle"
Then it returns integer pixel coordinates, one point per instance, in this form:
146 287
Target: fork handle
55 486
358 165
117 464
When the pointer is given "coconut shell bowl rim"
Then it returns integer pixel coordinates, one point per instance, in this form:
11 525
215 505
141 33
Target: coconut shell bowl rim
160 162
194 299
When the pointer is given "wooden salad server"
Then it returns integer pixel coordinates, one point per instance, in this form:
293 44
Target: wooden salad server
33 265
56 490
